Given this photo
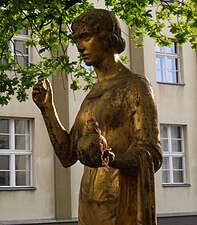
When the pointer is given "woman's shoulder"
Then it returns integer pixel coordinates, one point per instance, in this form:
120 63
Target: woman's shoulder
137 80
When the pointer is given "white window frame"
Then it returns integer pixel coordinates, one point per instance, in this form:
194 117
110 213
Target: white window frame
12 152
162 53
170 154
14 52
21 37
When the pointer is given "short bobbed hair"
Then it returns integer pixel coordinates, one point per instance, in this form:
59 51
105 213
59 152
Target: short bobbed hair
106 25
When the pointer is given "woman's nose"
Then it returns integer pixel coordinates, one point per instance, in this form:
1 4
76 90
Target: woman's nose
80 46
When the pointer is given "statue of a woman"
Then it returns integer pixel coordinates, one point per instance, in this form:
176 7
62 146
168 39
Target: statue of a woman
115 134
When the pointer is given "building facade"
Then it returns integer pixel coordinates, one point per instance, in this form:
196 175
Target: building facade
35 187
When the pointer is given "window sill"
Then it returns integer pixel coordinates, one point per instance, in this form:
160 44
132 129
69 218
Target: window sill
17 188
175 185
167 83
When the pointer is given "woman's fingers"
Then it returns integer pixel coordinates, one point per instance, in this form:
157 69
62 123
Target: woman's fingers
48 84
41 86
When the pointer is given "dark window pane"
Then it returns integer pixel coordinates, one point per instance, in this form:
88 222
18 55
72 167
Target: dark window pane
22 162
20 47
165 176
175 48
4 162
22 142
163 131
3 61
164 144
165 164
176 146
4 178
22 60
23 32
176 132
178 176
4 126
22 178
21 126
4 141
177 162
176 64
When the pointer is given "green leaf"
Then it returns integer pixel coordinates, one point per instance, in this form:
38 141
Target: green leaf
49 24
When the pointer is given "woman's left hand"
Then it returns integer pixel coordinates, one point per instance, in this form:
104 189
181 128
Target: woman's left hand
92 148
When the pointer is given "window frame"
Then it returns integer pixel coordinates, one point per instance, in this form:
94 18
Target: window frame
21 37
12 152
170 154
15 53
165 56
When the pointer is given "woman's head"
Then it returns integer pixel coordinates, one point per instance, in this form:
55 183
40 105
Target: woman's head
106 25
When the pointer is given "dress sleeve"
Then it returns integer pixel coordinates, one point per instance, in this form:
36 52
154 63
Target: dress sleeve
143 126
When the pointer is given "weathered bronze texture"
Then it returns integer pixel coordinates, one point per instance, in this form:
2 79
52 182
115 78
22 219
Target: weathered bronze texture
115 134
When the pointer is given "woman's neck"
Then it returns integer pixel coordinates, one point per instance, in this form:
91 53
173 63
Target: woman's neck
110 67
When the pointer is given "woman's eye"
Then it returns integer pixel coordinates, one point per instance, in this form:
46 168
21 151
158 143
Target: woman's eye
86 36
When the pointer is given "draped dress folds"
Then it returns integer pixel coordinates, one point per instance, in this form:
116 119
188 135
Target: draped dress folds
124 195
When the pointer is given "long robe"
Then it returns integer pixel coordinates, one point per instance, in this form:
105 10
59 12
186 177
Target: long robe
124 195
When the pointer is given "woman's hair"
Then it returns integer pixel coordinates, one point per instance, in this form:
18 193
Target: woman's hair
106 25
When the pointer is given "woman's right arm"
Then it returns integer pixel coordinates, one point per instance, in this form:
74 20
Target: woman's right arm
60 139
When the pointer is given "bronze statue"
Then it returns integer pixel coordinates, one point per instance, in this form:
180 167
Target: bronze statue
115 134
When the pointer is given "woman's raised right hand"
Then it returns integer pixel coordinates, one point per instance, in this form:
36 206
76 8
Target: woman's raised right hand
42 93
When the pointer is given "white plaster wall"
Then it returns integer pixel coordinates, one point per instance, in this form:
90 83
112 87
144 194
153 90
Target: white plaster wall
177 105
38 203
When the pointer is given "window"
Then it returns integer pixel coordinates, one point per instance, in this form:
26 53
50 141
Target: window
167 64
18 49
173 167
15 152
21 52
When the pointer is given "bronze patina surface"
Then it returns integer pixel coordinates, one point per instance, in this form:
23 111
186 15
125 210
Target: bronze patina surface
115 134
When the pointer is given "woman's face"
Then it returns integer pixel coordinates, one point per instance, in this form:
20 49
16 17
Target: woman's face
89 45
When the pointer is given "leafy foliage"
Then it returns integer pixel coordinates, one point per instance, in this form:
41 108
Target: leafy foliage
48 22
149 17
